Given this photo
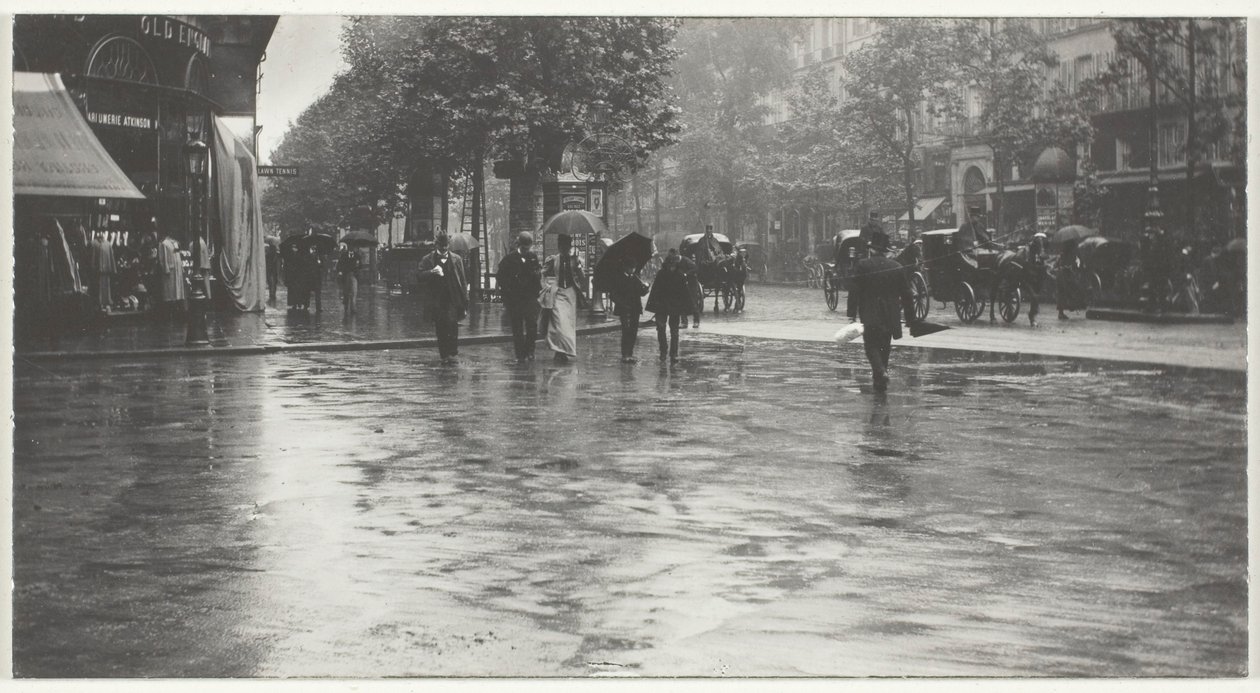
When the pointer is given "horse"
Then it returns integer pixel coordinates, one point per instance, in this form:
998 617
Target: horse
1021 269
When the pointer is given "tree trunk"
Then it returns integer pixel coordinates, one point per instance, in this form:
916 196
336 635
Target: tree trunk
524 204
638 208
478 192
999 182
656 200
907 163
1192 134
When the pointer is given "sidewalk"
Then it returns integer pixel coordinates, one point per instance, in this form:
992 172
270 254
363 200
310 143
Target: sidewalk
380 321
799 314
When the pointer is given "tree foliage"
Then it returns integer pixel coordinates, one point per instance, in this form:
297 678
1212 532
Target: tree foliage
904 71
826 161
724 68
451 92
1219 95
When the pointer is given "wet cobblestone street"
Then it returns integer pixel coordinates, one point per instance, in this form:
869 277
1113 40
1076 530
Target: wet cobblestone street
752 510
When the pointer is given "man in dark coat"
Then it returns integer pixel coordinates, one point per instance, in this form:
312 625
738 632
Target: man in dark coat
446 295
520 279
272 256
669 299
865 234
626 291
972 234
691 275
879 285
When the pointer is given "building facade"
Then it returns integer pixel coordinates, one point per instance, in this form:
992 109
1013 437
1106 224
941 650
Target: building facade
956 168
145 86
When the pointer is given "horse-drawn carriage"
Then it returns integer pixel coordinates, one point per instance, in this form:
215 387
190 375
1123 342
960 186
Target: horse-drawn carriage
951 277
848 248
722 279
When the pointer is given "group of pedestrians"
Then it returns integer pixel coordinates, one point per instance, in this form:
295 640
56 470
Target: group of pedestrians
542 297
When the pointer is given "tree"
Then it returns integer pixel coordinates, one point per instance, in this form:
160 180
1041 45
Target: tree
1006 61
1192 62
904 73
724 67
337 174
447 93
824 160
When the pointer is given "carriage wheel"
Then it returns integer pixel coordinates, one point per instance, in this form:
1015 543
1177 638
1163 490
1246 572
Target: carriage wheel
1093 288
831 291
1009 299
918 287
966 306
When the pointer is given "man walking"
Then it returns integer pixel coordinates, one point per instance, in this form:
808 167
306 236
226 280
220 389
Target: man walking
446 294
520 279
878 286
861 249
626 291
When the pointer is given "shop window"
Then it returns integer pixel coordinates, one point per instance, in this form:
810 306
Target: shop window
973 181
1172 144
197 75
118 57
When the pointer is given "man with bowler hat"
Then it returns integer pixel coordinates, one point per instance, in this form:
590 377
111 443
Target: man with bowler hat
446 295
879 286
520 280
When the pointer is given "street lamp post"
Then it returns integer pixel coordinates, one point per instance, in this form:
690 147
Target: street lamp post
197 154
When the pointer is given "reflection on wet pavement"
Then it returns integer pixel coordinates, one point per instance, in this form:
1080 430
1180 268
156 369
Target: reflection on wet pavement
753 510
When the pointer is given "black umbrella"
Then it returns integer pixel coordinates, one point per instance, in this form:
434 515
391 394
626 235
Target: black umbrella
321 242
359 237
922 328
631 245
1074 232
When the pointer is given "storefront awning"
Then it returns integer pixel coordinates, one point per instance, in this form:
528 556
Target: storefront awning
54 149
923 207
1009 188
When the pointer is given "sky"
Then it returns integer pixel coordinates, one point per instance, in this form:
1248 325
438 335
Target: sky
303 56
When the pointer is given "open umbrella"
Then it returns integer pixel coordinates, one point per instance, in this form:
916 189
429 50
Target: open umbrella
1074 232
359 237
463 242
631 245
574 222
321 242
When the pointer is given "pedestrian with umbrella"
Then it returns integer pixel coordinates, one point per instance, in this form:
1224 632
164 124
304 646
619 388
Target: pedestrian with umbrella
880 288
348 265
272 255
626 291
520 280
1069 290
617 273
670 299
560 297
446 295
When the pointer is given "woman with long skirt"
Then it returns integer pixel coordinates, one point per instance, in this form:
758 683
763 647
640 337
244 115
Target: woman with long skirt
563 271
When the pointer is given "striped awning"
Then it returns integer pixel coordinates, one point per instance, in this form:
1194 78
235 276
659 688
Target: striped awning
55 151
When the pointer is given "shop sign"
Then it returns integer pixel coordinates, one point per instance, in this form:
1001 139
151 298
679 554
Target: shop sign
175 31
597 202
570 201
122 120
279 171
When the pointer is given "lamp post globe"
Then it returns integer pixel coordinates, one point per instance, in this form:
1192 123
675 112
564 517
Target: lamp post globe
197 155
